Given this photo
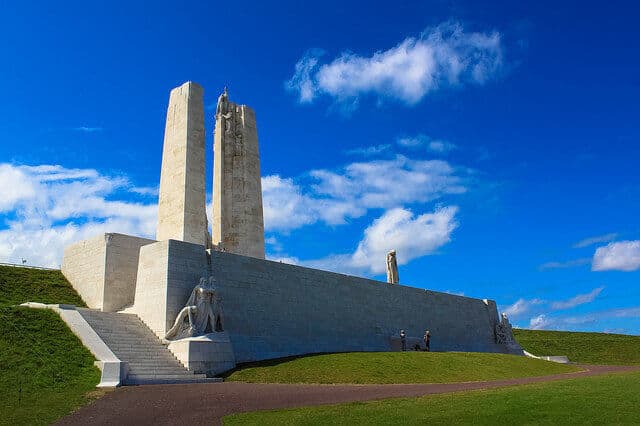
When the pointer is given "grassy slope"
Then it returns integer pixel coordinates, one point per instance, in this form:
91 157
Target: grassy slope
395 367
45 372
19 285
612 399
588 348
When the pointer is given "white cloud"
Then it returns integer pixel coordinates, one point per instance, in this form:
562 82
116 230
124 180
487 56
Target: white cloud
333 197
440 57
544 322
521 306
579 299
595 240
540 322
567 264
420 140
370 150
87 129
410 235
619 256
47 207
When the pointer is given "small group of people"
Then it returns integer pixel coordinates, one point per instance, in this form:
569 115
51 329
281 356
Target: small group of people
426 339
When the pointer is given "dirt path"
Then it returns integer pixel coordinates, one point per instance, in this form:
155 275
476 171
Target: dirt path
192 404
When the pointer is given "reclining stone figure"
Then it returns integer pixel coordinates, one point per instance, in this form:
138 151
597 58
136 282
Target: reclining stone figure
201 315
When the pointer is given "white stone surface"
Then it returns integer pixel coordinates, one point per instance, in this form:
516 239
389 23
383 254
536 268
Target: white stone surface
237 224
560 359
273 309
211 353
113 370
103 269
167 272
181 205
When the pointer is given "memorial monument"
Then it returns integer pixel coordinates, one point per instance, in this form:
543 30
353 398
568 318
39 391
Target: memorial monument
178 284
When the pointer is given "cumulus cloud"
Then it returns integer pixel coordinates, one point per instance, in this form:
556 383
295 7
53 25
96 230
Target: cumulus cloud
540 322
334 196
411 235
441 57
618 256
47 207
595 240
420 140
521 306
579 299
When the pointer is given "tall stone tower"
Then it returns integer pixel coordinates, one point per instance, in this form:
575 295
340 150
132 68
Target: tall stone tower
181 206
238 225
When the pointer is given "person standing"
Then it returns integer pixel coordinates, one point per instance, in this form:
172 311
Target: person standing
403 340
427 341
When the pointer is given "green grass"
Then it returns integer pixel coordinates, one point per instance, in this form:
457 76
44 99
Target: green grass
586 348
612 399
45 371
19 285
395 367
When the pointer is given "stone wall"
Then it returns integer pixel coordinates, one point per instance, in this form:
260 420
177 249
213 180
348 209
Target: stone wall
273 309
103 269
237 223
181 201
168 272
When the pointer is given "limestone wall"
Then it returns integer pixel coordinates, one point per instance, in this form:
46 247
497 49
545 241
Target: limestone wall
181 203
237 223
83 264
167 273
273 310
103 269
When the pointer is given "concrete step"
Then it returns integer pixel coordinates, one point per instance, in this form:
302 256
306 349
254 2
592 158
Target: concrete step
133 342
153 380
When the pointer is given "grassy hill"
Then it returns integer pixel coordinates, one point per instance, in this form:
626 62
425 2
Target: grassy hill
586 348
603 400
45 371
395 367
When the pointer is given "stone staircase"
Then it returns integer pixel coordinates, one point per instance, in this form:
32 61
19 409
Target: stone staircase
133 342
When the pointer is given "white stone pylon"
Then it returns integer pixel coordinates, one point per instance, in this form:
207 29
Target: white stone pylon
237 223
181 205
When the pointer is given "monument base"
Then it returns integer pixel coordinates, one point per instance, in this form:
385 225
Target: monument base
210 354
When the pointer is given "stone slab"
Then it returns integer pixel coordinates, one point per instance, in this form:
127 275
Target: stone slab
211 354
272 310
167 273
103 269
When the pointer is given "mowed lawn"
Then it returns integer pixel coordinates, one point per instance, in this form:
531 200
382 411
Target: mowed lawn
611 399
45 371
585 348
396 367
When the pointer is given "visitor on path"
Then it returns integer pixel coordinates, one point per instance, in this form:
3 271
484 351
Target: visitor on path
403 340
427 341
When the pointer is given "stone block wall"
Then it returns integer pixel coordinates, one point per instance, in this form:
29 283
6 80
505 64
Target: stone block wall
103 269
273 309
167 273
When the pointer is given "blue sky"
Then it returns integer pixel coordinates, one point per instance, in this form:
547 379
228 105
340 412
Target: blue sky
495 146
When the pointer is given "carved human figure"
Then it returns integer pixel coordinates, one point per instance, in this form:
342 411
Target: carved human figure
504 331
201 315
392 268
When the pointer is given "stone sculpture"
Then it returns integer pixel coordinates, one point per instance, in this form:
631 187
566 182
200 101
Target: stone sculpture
504 331
392 268
201 315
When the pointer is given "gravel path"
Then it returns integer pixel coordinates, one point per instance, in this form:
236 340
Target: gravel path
195 404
